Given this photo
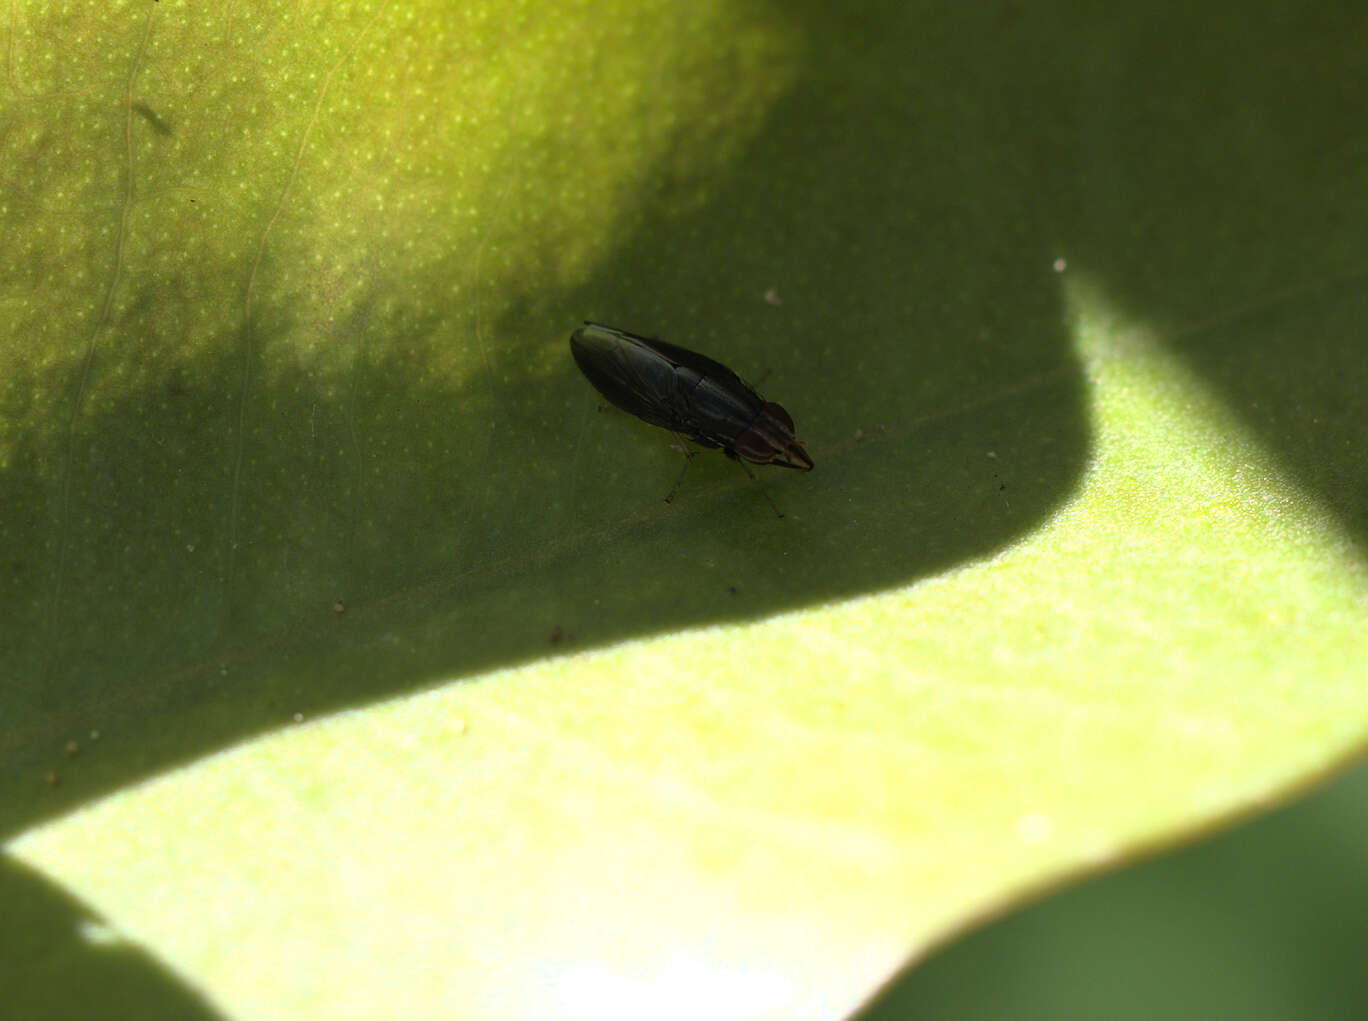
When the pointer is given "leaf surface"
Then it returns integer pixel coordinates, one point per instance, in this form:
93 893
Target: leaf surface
365 666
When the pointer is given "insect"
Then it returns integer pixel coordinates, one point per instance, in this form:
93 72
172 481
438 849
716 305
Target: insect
689 394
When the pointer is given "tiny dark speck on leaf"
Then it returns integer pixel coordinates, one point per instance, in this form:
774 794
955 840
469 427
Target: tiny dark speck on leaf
52 779
557 633
732 590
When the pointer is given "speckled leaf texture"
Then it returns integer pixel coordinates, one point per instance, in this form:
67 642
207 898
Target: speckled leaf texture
353 664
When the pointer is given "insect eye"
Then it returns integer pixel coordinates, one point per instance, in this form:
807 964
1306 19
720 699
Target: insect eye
754 446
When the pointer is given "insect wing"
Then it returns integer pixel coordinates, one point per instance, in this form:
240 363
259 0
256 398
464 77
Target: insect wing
698 366
710 398
628 372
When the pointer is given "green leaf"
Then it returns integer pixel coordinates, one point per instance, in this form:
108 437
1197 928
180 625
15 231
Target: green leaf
365 666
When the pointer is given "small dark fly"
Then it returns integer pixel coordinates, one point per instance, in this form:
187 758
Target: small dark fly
689 394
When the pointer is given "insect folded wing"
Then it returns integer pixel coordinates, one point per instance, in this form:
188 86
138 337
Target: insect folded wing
629 374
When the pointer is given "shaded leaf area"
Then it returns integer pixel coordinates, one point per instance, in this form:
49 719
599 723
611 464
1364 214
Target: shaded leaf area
1205 157
286 437
1263 922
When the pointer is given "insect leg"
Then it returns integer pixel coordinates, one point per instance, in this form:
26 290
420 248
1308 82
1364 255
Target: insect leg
688 456
774 508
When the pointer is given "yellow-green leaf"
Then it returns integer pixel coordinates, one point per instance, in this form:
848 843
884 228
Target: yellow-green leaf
355 665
